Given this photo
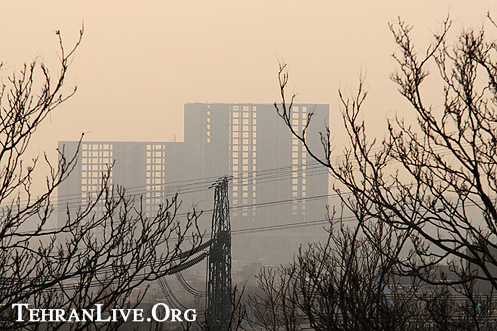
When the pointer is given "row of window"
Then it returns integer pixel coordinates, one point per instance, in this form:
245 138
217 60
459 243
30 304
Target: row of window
86 147
156 154
236 169
249 134
95 160
244 161
245 148
97 153
244 141
156 147
242 121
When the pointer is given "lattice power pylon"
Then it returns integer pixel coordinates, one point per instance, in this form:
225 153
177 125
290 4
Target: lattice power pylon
219 306
219 283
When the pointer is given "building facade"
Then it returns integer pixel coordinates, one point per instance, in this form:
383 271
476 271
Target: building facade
276 188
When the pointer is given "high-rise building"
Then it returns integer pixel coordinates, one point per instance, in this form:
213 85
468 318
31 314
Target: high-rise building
138 167
275 182
276 187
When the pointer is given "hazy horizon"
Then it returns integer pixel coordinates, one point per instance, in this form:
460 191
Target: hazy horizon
139 63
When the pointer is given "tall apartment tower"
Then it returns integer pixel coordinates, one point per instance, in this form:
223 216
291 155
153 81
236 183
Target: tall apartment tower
274 181
139 167
275 188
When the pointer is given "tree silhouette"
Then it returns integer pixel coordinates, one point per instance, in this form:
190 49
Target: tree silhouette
104 252
431 185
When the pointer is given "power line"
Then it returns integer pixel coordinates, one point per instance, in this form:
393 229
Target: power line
202 184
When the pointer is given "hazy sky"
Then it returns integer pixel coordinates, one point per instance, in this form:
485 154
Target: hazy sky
140 61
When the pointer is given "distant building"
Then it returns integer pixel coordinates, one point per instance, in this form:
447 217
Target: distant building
483 283
139 167
274 183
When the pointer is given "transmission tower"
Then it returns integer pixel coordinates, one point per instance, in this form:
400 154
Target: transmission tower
219 283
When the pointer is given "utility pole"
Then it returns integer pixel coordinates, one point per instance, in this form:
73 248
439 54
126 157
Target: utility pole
219 305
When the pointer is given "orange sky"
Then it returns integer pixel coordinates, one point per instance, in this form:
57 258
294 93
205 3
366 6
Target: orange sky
140 61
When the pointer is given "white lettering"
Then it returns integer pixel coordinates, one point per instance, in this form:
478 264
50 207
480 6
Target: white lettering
46 315
112 315
87 314
74 315
175 315
137 313
154 312
193 315
33 315
99 314
124 314
19 312
59 315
